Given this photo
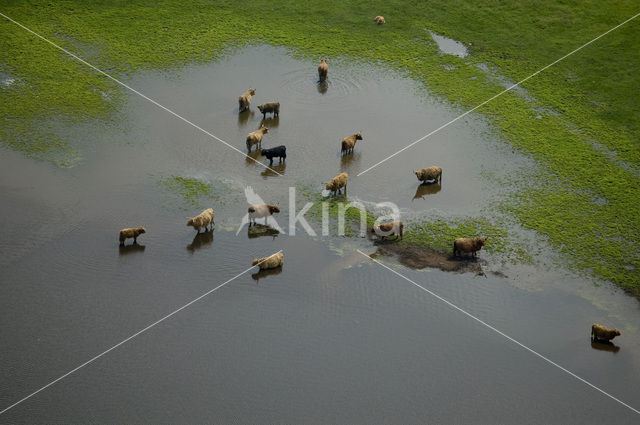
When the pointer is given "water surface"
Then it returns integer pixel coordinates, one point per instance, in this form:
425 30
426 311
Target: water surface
331 337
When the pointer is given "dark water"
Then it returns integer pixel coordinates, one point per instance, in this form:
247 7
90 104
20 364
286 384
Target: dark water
330 338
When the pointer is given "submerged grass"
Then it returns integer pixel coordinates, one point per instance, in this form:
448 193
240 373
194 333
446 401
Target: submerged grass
194 193
587 204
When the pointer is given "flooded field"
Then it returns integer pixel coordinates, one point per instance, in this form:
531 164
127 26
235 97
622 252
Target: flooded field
331 337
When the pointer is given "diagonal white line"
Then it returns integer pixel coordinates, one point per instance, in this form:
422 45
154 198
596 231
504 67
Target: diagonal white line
130 338
497 95
499 332
138 93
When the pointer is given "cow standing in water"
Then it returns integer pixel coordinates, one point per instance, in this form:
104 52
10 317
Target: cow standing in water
323 70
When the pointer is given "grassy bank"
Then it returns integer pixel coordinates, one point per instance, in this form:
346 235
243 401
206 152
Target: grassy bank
587 200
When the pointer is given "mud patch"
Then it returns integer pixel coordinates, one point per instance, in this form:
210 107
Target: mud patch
418 257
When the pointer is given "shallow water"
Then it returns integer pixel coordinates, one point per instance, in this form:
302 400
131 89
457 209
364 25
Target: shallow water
450 46
329 338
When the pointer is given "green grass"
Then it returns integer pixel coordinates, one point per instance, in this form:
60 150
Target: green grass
587 200
194 193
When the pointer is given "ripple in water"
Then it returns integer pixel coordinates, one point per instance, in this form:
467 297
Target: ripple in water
304 86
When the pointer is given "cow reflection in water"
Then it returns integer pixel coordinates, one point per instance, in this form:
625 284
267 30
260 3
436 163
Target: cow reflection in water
243 117
129 249
605 346
427 189
258 230
201 240
253 156
350 163
273 170
323 86
270 122
266 272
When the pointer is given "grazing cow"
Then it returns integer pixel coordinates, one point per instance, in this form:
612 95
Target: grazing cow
471 245
277 152
379 20
131 232
429 173
266 108
395 228
255 137
271 262
260 211
323 70
337 183
602 333
348 143
245 99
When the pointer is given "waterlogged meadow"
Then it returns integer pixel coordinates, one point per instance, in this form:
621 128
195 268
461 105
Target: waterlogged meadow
548 172
578 119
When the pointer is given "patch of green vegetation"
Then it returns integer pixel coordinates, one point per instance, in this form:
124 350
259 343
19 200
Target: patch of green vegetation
193 191
591 212
437 234
592 237
440 234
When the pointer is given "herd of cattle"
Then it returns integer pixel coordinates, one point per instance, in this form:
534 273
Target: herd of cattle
431 174
334 186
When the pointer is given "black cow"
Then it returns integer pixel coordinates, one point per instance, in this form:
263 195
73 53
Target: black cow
277 152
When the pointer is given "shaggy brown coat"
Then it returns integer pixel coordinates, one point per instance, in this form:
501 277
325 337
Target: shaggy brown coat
471 245
255 138
265 108
394 228
599 332
276 260
348 143
131 232
379 20
337 183
262 210
323 70
245 99
204 219
429 173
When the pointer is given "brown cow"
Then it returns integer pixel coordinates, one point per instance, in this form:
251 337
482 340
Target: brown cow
602 333
323 70
471 245
348 143
337 183
131 232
